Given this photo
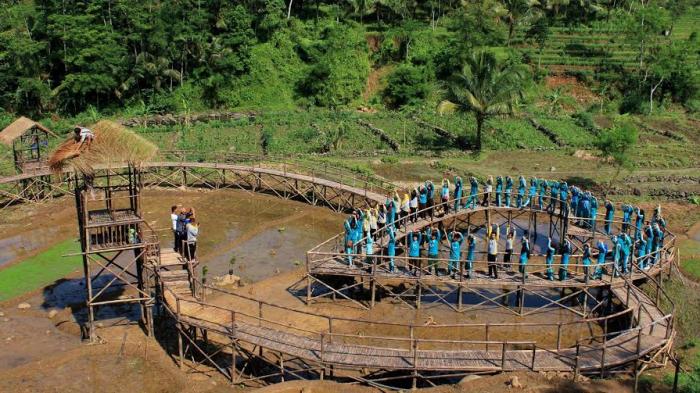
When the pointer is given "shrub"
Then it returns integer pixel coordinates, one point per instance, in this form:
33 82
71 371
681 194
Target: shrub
407 85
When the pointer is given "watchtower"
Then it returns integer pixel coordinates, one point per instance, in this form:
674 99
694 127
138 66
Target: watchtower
30 144
119 248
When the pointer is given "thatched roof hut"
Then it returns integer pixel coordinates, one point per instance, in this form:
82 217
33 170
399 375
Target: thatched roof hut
19 127
29 141
113 144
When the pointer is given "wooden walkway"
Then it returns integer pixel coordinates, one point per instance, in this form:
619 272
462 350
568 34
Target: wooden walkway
622 349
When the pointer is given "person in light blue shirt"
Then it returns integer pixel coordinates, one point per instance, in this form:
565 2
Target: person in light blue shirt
434 236
471 249
553 196
542 194
549 260
509 189
638 222
564 197
414 246
532 193
524 255
602 252
499 191
566 251
391 247
473 191
594 211
456 239
521 192
586 261
641 252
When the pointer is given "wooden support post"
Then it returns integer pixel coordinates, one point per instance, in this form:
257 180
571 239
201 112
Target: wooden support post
233 347
559 336
179 335
372 283
503 355
576 361
486 337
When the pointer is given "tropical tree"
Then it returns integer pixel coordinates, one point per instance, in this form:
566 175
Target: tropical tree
486 88
517 12
616 145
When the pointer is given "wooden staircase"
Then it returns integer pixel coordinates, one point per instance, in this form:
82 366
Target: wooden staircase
175 272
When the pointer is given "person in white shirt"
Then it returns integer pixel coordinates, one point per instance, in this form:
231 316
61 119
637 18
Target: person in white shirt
173 219
83 135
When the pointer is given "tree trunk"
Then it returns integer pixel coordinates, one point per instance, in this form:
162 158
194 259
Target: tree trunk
511 29
289 9
479 127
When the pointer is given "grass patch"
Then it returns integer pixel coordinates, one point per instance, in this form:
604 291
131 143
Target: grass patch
690 258
39 270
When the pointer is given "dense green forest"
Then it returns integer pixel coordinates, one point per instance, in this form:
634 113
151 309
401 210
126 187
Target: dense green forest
151 56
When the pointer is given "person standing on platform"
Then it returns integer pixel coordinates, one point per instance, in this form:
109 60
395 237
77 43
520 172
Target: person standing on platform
499 191
471 249
566 251
430 188
488 189
492 254
510 244
542 194
602 252
445 195
473 193
456 239
458 193
414 246
391 247
553 196
549 259
563 198
524 255
609 215
586 261
173 220
509 189
434 236
192 234
521 192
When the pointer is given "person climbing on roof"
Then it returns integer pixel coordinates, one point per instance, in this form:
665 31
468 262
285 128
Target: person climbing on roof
549 259
566 251
471 249
509 189
499 191
602 253
434 236
83 135
524 255
458 193
456 239
445 195
521 192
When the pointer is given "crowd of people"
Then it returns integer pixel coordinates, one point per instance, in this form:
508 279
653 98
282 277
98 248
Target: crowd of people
185 231
642 238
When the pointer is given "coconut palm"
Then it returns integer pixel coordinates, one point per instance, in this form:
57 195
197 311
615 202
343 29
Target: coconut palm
518 12
486 88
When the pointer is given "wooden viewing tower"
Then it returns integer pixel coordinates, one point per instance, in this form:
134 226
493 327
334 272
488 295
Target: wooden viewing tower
118 247
30 144
30 150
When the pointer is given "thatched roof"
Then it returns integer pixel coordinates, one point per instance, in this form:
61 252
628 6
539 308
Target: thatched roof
19 127
113 144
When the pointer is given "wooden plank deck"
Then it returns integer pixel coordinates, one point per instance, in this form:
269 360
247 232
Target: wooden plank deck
619 350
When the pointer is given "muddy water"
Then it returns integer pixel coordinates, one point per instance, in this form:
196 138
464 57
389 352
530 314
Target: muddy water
266 235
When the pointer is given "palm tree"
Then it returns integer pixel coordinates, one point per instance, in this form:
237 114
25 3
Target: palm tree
517 12
486 88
